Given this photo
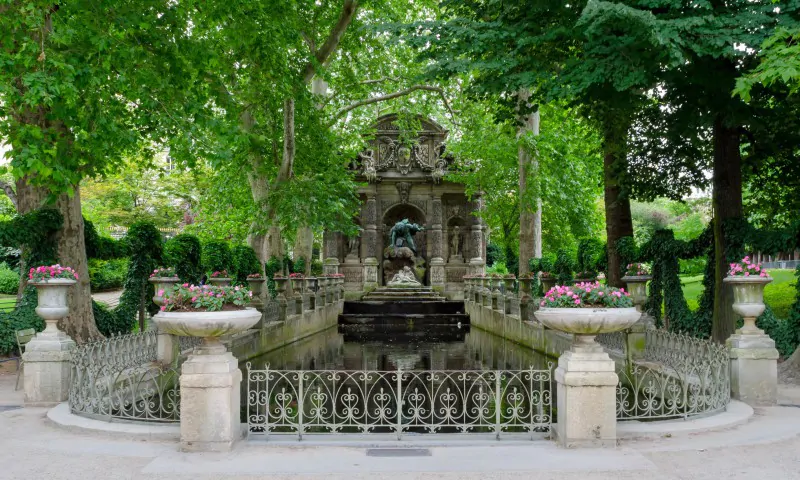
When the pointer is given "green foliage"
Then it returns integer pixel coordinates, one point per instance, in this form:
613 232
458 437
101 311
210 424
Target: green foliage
216 257
544 264
299 265
780 297
184 253
21 318
782 331
498 268
109 322
9 280
780 63
590 253
316 267
103 248
692 266
146 255
244 262
564 267
272 267
107 274
494 253
628 252
793 318
35 233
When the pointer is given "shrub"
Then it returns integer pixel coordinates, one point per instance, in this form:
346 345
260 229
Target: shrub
216 257
184 253
316 268
781 331
692 266
497 268
110 324
146 254
494 254
563 267
24 316
244 262
9 280
589 253
780 297
299 265
102 247
107 274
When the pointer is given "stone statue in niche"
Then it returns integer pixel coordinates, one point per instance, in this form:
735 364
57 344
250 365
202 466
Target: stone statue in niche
353 243
455 241
404 278
404 190
440 165
402 234
368 165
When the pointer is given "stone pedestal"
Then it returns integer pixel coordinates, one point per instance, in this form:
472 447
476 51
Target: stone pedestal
437 273
754 368
167 347
47 368
210 390
370 273
330 266
586 393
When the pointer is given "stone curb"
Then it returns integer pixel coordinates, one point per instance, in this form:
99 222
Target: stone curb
736 414
61 417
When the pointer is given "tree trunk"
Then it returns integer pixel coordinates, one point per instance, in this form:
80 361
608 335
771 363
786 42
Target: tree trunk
617 203
530 212
71 244
303 246
727 204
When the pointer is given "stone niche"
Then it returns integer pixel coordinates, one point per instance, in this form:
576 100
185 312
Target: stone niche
403 172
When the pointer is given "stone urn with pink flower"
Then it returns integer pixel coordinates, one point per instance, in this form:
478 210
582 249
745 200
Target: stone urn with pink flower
219 278
748 280
163 279
52 286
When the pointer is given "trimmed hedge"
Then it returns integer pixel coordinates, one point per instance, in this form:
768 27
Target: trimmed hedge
24 316
184 253
107 274
103 248
216 257
9 280
243 263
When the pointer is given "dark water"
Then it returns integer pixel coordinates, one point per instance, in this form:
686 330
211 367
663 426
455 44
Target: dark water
389 347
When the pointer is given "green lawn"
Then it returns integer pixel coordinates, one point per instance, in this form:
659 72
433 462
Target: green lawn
779 294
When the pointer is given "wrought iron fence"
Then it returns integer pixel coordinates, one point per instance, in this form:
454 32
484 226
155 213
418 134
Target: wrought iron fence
437 401
678 376
120 377
612 341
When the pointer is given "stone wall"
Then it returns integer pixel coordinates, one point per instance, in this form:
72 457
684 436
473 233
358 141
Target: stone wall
274 335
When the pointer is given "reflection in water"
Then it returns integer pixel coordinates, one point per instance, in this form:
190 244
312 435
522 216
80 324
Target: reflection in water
386 348
352 395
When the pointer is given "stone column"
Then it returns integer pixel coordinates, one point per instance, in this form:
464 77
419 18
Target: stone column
47 369
372 251
167 347
210 400
437 248
477 262
586 396
331 246
753 356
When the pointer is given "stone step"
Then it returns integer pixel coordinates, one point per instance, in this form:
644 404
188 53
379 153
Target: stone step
390 307
399 334
417 319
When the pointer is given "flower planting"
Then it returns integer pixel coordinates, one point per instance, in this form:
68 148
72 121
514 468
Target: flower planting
220 274
586 295
204 298
637 270
164 272
746 268
51 272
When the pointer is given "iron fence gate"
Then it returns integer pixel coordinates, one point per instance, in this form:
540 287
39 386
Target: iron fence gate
432 401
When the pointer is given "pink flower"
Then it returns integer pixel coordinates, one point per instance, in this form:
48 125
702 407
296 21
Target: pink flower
599 294
577 301
194 299
163 308
161 293
542 304
746 274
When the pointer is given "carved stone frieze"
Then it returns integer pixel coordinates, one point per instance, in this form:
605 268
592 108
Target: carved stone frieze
404 190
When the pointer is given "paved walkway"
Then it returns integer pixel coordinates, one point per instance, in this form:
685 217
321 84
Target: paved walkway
768 446
111 298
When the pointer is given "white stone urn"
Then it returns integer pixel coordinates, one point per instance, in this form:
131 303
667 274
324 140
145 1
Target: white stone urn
53 305
547 283
162 284
208 325
637 287
257 287
586 323
220 281
748 299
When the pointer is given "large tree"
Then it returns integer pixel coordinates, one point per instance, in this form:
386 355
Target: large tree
81 84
